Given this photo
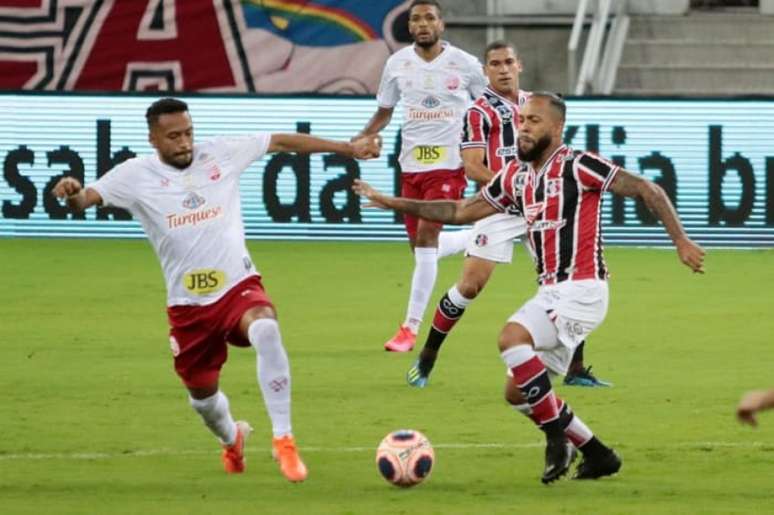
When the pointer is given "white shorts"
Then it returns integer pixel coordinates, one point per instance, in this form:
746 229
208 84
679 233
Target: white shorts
492 238
561 316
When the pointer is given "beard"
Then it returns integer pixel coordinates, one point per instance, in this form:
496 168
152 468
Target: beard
427 43
527 156
181 162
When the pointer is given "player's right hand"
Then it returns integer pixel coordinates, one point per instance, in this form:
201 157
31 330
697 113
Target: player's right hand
691 254
67 187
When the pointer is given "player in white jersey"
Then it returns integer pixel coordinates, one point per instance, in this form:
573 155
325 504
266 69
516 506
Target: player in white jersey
435 82
187 198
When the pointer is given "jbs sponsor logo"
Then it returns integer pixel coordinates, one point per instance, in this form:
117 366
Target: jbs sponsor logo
205 281
429 154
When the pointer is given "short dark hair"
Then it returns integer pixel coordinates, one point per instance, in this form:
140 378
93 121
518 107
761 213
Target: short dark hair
164 106
497 45
434 3
554 99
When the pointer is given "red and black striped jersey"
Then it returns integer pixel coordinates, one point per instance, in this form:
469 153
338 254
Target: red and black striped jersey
562 204
492 123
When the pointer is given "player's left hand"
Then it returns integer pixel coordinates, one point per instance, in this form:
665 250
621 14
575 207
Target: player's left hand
375 198
691 254
367 147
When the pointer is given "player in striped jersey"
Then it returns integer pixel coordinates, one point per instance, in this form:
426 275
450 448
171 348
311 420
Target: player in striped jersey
559 192
488 144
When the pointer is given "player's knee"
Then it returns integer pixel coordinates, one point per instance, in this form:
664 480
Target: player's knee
262 329
470 287
514 397
512 335
505 340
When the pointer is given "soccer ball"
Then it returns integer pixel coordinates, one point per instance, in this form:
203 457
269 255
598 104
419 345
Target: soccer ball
405 457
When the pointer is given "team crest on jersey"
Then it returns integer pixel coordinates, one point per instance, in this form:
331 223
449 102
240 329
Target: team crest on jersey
430 102
452 82
505 112
193 201
214 173
481 240
165 183
553 187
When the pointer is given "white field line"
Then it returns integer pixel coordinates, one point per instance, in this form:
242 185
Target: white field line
340 450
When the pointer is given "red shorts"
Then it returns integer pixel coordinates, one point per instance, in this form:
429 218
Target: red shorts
198 334
434 185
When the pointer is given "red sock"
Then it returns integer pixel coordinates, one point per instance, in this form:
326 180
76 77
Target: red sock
532 379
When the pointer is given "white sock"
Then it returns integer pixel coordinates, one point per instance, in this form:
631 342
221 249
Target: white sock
217 416
273 372
452 242
578 432
457 298
422 282
515 356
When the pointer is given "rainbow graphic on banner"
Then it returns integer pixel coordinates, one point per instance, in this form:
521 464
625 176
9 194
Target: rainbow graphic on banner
321 22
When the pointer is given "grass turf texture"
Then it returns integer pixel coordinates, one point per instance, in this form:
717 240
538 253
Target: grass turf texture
94 419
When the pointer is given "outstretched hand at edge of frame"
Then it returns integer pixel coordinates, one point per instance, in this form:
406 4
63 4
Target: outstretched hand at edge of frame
67 187
367 191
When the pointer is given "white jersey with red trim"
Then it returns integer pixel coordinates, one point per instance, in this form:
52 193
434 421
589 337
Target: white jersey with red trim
562 204
435 96
192 217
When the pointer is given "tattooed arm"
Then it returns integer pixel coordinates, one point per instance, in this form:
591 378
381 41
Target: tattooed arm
455 212
629 185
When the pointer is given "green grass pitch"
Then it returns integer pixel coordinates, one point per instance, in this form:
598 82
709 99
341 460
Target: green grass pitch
94 420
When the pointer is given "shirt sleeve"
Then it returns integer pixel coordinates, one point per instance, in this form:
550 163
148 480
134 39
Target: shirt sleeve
594 172
117 186
475 130
242 151
500 191
388 93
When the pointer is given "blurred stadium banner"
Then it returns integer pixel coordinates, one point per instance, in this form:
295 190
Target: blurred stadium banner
714 158
270 46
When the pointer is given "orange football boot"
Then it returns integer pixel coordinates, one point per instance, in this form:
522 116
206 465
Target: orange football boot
233 455
285 453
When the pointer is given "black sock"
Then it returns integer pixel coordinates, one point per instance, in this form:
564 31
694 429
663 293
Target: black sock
594 448
576 365
430 351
